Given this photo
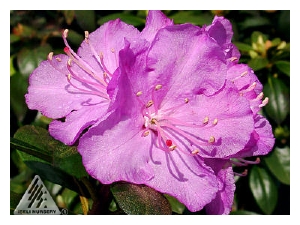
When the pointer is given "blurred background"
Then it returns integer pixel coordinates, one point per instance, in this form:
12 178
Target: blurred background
263 38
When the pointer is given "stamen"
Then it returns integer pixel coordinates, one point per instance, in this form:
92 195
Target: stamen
150 103
80 62
58 59
264 102
195 152
157 87
206 119
172 148
250 88
50 55
241 75
146 133
86 35
244 162
211 139
215 121
243 174
233 59
186 100
260 96
69 62
244 73
139 93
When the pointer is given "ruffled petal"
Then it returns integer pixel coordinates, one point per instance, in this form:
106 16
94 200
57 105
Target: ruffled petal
186 60
50 92
222 204
70 129
218 125
107 40
184 177
154 21
115 151
262 139
220 30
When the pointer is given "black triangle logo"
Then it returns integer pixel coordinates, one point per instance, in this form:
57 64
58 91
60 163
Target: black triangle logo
37 200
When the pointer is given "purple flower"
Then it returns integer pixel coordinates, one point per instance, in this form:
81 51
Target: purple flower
75 89
178 122
168 107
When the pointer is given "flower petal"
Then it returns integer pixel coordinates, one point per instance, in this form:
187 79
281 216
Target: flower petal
190 62
184 177
219 125
262 139
74 123
51 94
107 40
115 151
155 21
222 204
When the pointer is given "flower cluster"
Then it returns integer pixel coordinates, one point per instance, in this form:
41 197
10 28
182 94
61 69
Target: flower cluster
169 107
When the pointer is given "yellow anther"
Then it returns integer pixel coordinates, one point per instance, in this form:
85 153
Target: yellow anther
186 100
69 76
58 59
206 119
233 59
211 139
157 87
146 133
244 73
69 62
215 121
172 147
196 151
150 103
86 34
50 55
66 33
112 50
139 93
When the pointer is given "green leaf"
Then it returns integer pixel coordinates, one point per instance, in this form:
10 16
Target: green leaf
283 66
254 22
263 189
86 19
127 18
194 17
36 145
278 161
243 47
176 206
279 101
18 88
140 199
15 198
243 212
258 63
29 58
69 16
12 68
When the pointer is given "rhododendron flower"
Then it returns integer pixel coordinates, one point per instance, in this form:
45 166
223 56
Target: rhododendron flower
180 122
74 89
169 107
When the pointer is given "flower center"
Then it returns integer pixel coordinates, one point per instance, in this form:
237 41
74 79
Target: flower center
169 131
80 75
